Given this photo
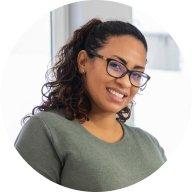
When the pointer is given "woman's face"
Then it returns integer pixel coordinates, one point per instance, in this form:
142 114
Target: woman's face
98 80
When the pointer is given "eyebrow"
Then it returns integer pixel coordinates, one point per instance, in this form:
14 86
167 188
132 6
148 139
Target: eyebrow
125 63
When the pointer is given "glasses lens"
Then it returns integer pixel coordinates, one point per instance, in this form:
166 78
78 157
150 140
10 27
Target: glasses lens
138 78
115 68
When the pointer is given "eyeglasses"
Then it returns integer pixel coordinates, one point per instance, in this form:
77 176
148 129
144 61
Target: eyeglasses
117 69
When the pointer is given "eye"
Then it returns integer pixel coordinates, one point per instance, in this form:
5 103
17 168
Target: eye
136 75
116 65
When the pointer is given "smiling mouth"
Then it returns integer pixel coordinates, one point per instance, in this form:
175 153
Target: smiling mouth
115 97
119 95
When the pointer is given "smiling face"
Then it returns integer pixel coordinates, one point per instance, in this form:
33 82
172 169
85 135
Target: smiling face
98 80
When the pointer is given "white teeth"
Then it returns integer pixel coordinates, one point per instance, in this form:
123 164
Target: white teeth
115 93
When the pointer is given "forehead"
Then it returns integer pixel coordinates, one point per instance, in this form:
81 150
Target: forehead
127 47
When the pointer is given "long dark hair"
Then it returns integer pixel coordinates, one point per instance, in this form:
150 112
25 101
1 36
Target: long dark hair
65 88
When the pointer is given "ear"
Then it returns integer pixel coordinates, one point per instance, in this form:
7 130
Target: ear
82 59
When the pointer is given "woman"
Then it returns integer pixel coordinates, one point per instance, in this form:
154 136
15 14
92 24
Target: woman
79 138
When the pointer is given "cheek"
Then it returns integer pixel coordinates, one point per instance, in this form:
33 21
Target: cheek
97 75
95 81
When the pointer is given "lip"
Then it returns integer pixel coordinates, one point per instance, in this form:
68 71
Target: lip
118 91
115 99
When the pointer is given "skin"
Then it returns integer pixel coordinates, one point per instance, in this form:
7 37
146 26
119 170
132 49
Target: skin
103 114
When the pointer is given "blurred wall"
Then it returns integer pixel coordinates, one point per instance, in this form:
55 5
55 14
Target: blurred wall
65 20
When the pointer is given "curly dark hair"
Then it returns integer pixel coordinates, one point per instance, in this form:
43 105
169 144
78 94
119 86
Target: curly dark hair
65 89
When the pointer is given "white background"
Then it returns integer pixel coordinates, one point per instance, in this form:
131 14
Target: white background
16 17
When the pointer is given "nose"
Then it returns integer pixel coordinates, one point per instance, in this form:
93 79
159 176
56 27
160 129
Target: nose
124 81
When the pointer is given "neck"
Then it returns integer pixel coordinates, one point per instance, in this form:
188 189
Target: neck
105 121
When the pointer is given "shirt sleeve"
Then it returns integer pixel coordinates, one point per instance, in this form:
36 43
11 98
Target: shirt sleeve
161 150
155 143
36 146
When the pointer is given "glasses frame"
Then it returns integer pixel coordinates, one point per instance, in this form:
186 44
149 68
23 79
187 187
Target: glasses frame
129 72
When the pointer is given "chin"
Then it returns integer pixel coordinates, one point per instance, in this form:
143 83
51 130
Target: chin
114 109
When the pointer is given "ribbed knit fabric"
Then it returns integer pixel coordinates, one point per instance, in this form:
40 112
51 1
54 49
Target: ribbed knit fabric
66 153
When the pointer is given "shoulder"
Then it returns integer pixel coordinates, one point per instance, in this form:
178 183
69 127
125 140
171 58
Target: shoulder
140 133
54 123
44 123
52 115
38 146
35 127
51 119
146 139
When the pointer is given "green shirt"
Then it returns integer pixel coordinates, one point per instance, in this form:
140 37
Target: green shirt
66 153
